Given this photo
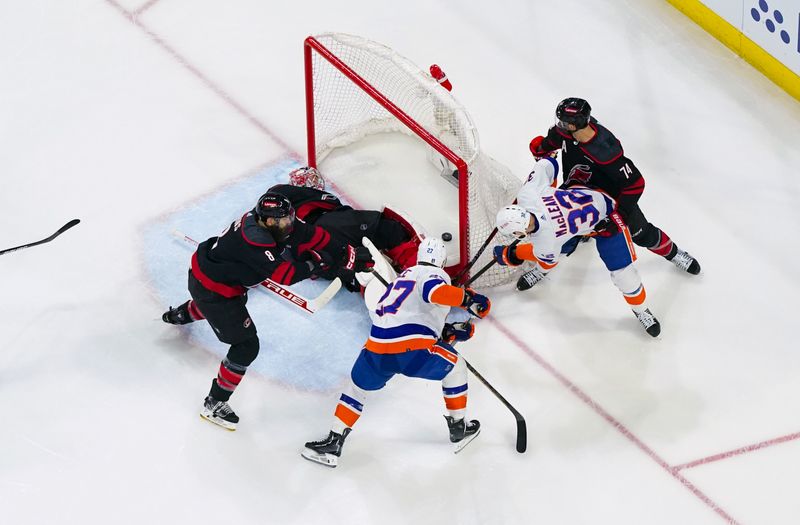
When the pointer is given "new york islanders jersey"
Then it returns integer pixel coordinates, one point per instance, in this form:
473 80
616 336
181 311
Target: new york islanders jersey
405 319
561 213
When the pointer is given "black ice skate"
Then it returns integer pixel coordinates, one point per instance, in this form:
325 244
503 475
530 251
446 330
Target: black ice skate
326 451
462 433
219 412
649 322
686 262
528 279
179 315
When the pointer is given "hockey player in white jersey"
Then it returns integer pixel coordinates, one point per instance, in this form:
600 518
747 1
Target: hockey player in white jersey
550 218
406 338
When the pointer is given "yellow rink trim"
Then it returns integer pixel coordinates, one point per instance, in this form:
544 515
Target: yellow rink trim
723 31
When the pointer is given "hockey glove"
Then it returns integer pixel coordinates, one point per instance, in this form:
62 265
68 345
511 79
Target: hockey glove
320 264
609 226
357 259
475 303
507 255
538 149
454 332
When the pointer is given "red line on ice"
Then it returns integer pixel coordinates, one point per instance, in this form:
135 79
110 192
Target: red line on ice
737 452
621 428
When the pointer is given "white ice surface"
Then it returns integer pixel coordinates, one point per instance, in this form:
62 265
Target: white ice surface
128 122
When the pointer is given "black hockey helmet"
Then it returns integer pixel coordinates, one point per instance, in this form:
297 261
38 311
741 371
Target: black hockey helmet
575 111
276 213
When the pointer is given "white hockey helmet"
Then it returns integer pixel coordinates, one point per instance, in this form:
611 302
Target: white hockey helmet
307 177
432 251
513 220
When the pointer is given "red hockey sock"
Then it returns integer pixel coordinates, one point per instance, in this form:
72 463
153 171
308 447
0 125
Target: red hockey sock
664 248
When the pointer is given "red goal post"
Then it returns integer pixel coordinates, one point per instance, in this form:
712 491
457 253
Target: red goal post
356 88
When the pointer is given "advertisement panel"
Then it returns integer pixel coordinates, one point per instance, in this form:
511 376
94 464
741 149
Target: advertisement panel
775 26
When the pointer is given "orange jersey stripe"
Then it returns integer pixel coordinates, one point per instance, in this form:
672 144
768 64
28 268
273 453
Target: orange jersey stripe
398 347
525 252
450 356
448 295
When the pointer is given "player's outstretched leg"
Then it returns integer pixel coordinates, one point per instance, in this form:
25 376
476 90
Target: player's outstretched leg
628 281
462 432
326 451
529 279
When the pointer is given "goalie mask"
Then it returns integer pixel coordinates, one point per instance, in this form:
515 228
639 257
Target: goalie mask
307 177
276 214
514 221
432 251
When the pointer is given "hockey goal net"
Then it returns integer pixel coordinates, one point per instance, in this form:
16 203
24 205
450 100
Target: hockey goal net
357 89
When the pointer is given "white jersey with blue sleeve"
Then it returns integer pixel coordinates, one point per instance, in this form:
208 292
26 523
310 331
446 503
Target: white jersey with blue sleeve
561 213
404 318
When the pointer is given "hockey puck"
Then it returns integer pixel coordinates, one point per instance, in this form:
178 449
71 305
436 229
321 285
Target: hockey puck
447 236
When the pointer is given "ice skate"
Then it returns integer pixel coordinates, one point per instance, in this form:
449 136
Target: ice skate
686 262
648 321
179 315
326 451
219 412
461 432
528 279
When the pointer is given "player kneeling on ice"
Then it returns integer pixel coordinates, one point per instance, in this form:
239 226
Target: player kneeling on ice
407 338
553 219
266 243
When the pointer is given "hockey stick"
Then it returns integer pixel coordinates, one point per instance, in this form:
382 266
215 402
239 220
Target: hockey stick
522 428
309 305
488 265
61 230
465 269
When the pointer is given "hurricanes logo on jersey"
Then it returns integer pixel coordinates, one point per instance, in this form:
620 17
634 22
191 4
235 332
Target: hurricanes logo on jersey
580 173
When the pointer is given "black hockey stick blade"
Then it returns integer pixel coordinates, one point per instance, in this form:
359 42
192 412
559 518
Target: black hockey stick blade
522 428
61 230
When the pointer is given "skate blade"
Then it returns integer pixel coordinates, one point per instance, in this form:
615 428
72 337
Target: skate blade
220 422
329 460
458 447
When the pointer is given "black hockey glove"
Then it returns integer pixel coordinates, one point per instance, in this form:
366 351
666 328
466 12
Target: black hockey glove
357 259
475 303
609 226
507 255
454 332
320 264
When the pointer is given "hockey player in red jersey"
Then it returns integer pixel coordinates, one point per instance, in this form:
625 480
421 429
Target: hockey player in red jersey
592 156
406 338
267 242
388 231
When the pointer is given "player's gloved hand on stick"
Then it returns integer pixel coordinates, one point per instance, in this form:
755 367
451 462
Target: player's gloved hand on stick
507 255
609 226
320 264
454 332
349 280
475 303
357 259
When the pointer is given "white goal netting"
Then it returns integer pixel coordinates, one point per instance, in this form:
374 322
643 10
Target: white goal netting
357 89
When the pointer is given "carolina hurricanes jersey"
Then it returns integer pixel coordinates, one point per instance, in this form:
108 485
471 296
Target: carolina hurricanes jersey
561 213
405 319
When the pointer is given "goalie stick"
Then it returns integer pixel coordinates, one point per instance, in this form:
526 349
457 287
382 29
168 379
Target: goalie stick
522 428
309 305
61 230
